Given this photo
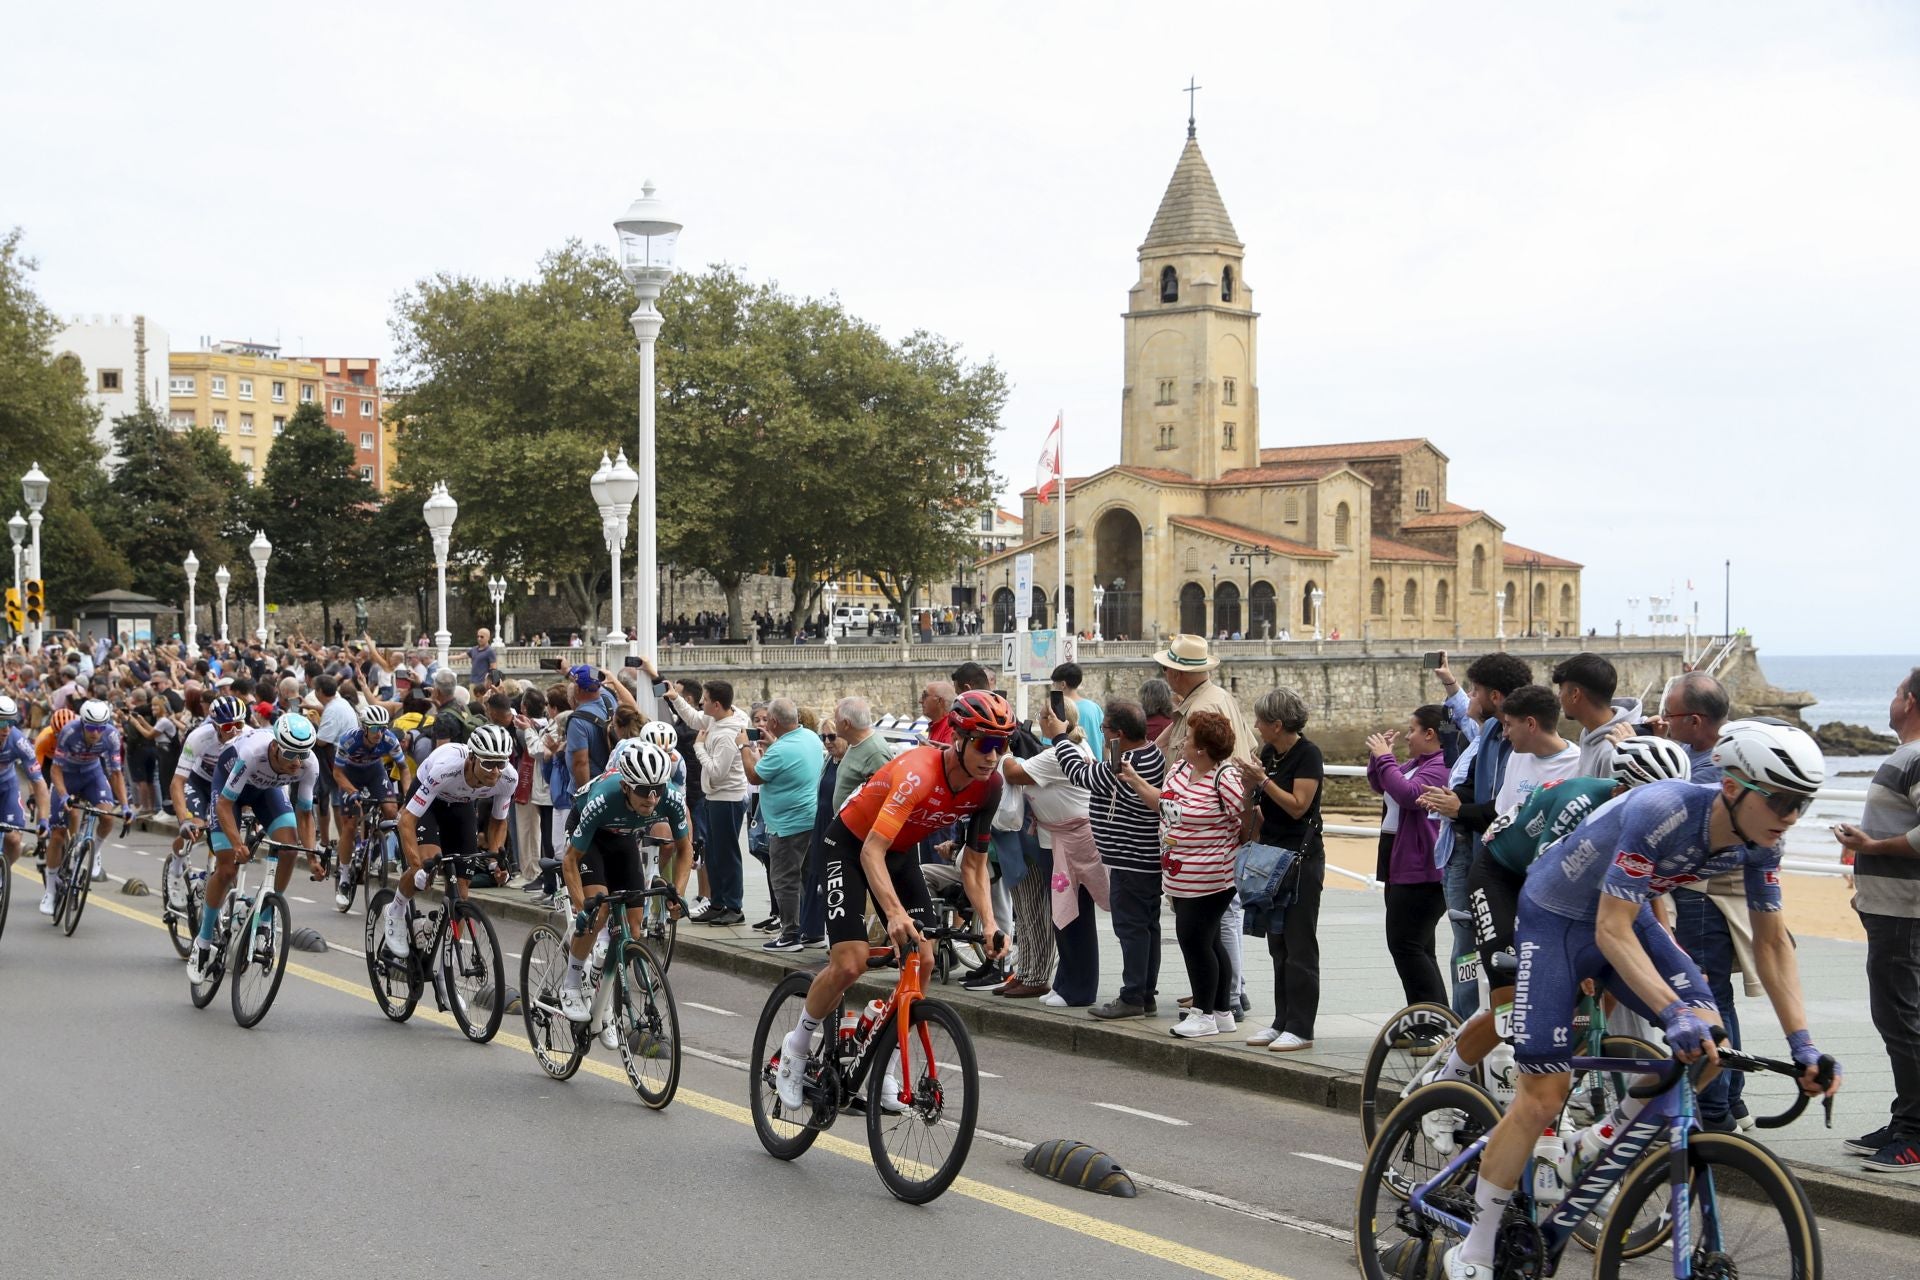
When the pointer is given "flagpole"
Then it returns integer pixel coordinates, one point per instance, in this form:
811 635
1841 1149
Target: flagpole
1061 620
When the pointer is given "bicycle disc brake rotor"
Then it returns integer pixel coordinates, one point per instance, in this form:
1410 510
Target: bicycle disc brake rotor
1714 1266
929 1099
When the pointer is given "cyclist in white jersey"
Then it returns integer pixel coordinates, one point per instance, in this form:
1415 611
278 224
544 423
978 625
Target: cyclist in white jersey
193 785
440 815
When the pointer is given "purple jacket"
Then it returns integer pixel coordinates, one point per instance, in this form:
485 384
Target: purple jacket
1412 857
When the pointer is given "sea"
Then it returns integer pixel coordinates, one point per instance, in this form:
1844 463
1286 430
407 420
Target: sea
1852 689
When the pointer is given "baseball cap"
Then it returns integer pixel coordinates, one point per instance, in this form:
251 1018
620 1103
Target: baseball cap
583 677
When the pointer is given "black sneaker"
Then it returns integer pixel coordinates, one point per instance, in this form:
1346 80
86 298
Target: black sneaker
1116 1008
786 940
727 917
770 925
988 978
1899 1158
1870 1143
708 915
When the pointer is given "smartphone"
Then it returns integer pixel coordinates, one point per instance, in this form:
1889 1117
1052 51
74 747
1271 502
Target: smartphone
1058 701
550 664
632 660
659 688
1432 660
754 735
1643 728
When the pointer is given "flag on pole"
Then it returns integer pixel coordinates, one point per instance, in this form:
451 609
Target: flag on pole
1049 474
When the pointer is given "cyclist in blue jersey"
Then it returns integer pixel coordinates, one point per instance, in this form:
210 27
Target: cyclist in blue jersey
1585 913
193 785
256 771
16 753
362 761
86 763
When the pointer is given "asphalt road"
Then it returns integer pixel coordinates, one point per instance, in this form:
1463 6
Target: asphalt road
139 1136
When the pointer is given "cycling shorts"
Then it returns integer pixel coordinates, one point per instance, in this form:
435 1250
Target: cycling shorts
1557 954
269 808
451 826
84 783
846 884
199 793
10 810
612 861
368 778
1493 895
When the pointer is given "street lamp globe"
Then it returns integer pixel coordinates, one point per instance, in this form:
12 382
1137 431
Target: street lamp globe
192 566
17 529
623 485
647 236
602 497
260 549
33 487
440 509
221 577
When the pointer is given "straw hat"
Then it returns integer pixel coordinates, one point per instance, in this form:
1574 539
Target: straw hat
1186 653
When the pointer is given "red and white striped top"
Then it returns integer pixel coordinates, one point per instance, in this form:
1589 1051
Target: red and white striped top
1199 829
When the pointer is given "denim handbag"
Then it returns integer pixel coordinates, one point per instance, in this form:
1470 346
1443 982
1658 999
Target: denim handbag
1259 870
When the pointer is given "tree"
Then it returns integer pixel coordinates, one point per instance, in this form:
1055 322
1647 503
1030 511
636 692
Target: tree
45 417
317 512
174 492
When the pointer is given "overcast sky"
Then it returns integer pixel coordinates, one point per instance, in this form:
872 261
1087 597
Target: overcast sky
1649 274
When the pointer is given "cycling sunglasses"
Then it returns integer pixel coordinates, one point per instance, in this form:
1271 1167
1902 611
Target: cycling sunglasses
489 763
991 746
652 792
1782 806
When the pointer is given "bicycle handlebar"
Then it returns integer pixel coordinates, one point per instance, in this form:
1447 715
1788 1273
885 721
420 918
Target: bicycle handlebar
1734 1060
87 806
630 898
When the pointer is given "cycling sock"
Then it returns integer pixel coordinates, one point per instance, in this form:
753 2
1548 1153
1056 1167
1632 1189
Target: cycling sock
576 967
1457 1068
208 918
1478 1246
801 1037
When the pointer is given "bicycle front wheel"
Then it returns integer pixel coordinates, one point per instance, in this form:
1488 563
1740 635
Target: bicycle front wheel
472 972
1749 1214
1593 1097
557 1045
1406 1043
258 958
6 889
785 1135
396 983
79 882
649 1028
912 1094
1422 1136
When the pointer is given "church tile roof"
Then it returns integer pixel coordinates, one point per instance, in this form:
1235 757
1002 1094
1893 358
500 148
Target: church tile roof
1240 533
1516 556
1191 212
1388 549
1342 452
1272 475
1452 517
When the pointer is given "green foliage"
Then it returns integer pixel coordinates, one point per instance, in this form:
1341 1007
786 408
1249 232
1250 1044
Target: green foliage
45 417
317 513
174 492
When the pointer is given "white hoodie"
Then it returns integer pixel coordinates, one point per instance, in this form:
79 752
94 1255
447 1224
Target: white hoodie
1596 753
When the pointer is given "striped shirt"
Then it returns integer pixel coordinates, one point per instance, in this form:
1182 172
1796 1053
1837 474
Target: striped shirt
1888 884
1200 829
1125 829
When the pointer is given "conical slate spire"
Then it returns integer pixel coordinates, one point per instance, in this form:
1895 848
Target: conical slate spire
1191 212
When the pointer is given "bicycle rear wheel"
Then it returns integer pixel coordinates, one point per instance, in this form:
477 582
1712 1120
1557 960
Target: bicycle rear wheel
916 1151
784 1136
557 1045
649 1028
396 983
79 883
6 889
184 927
472 972
659 927
1404 1046
1424 1133
259 958
1750 1216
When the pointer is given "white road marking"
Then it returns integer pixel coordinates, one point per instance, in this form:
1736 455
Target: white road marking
738 1064
1144 1115
297 898
1332 1160
351 951
695 1004
954 1066
511 955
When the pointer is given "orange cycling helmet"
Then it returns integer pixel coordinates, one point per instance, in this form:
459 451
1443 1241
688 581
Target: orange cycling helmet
979 712
62 718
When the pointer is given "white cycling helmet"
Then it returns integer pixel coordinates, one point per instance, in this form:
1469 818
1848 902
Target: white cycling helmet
293 734
375 717
1771 754
1643 759
93 711
660 734
490 742
9 709
645 764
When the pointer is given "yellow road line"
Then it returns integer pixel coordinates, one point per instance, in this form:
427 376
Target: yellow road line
1180 1255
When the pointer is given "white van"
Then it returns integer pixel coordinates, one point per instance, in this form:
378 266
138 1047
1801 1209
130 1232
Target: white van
851 619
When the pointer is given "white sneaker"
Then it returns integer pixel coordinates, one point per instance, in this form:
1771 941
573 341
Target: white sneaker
1225 1022
1441 1128
198 960
1196 1024
1454 1269
890 1095
341 897
574 1006
99 871
1054 1000
1263 1037
610 1036
393 928
790 1077
176 884
1289 1043
46 902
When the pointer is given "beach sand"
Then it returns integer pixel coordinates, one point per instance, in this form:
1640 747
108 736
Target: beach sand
1817 906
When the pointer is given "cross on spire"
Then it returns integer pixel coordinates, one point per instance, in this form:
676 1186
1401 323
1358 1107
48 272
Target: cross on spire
1190 91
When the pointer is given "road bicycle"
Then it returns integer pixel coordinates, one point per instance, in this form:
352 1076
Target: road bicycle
376 850
454 948
252 935
1722 1202
75 882
630 1005
659 916
905 1060
183 923
6 870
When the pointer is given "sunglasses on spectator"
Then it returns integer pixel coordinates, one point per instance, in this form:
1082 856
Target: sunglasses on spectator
1782 806
829 737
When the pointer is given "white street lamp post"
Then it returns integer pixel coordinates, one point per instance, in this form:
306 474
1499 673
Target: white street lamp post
1099 599
496 592
647 236
33 487
17 530
220 579
1319 598
1499 615
830 598
193 627
260 549
441 511
614 486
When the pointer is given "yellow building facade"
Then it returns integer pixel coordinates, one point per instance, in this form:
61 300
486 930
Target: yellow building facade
244 393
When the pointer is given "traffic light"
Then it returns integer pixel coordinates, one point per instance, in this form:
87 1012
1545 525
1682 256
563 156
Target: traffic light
16 616
36 600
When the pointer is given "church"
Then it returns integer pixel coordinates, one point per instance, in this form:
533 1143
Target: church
1199 529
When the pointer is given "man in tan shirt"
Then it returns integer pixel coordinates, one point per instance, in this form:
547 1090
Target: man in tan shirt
1186 664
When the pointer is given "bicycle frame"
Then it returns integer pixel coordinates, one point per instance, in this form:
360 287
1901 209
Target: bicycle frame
908 991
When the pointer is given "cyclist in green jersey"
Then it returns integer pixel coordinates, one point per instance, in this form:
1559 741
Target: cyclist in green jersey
603 856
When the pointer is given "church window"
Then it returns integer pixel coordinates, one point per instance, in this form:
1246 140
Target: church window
1226 284
1342 518
1229 391
1423 499
1046 519
1226 436
1377 598
1193 560
1306 603
1513 602
1566 604
1166 437
1169 285
1440 600
1292 511
1479 568
1410 599
1166 391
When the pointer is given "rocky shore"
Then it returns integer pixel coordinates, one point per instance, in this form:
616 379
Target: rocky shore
1838 739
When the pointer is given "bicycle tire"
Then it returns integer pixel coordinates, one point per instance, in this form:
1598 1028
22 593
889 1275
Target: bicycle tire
472 972
1375 1213
183 929
383 970
659 929
79 887
1718 1155
557 1045
651 1034
1647 1237
784 1138
930 1084
6 889
1391 1068
256 981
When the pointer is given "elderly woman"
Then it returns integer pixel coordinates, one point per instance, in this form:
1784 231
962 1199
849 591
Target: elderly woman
1200 808
1156 699
1285 776
1415 899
